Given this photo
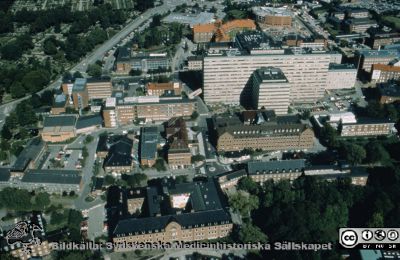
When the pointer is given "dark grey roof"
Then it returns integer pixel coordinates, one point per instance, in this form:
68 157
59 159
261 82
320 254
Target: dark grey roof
4 174
120 153
96 80
123 54
249 40
271 74
79 85
88 121
275 166
60 100
63 120
233 174
132 225
52 176
288 119
149 140
195 58
347 66
369 120
389 89
246 131
153 201
98 183
30 153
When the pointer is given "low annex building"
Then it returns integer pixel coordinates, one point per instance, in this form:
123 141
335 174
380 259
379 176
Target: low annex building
52 181
124 111
266 135
117 152
150 141
159 89
382 73
173 212
29 158
220 32
179 155
352 126
59 128
389 93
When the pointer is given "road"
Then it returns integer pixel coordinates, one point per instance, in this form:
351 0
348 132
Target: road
97 54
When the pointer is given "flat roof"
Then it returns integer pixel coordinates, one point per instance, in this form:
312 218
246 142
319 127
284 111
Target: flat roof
66 177
271 74
271 11
88 121
347 66
280 166
30 152
79 85
62 120
190 19
149 139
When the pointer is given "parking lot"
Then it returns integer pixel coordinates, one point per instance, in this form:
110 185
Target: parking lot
60 158
334 101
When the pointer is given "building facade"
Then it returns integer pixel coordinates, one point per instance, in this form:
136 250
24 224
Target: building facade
276 17
219 32
149 108
226 77
360 25
265 137
367 127
388 93
271 90
179 155
172 212
367 58
383 73
59 128
341 76
159 89
98 88
195 63
378 40
51 181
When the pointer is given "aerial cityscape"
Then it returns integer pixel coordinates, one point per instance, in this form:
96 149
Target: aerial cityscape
200 129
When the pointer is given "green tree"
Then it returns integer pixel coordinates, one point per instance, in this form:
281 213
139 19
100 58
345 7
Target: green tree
376 221
247 184
57 218
94 70
88 139
109 180
136 179
6 133
35 80
16 148
156 21
17 90
12 120
11 51
3 156
49 47
42 200
328 135
249 233
243 203
134 72
160 165
5 145
377 153
194 115
355 153
197 158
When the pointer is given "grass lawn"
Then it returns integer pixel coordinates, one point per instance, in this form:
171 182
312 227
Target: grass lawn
392 19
